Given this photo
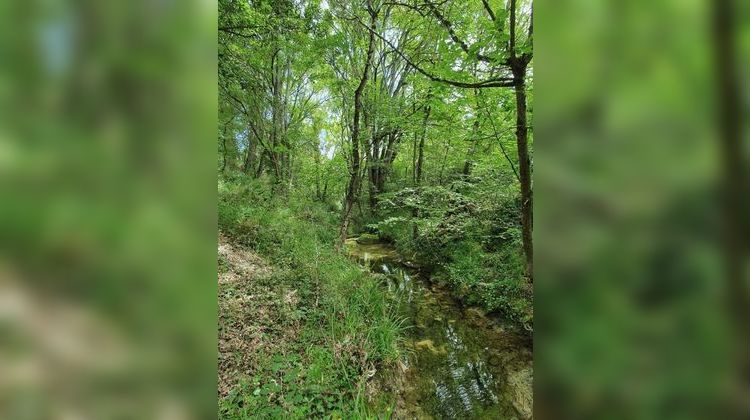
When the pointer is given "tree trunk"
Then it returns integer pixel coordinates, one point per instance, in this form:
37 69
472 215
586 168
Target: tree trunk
224 154
419 164
229 148
374 174
524 168
381 156
414 158
352 189
518 66
731 112
420 155
374 169
250 155
261 163
275 116
317 175
469 162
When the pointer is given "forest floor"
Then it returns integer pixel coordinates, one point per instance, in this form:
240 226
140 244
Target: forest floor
275 356
246 309
302 328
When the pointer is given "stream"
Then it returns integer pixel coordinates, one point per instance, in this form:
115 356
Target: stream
459 363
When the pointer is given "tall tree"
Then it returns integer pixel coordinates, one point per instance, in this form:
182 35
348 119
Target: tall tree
353 187
504 59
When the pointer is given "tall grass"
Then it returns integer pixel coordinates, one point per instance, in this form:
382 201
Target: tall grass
349 327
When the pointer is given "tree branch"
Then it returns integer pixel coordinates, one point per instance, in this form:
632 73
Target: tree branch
452 33
499 138
489 10
233 30
531 24
488 83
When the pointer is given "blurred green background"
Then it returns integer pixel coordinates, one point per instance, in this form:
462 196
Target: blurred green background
107 209
108 203
633 297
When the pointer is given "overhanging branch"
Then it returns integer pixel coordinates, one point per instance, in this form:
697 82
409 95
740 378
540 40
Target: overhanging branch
452 33
488 83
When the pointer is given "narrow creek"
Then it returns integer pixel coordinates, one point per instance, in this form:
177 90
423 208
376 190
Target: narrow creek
459 363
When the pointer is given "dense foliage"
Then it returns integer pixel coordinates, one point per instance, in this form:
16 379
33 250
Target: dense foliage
467 232
405 120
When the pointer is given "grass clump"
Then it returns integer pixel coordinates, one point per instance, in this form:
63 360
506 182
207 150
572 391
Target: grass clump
303 338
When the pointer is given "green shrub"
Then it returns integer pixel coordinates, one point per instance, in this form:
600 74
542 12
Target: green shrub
469 236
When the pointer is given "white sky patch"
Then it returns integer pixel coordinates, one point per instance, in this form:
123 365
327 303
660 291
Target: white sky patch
457 65
301 6
242 139
326 149
56 44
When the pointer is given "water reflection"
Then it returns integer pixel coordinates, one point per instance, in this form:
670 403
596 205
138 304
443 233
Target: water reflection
451 377
453 338
452 367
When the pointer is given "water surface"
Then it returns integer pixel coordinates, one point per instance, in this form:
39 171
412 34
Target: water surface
459 363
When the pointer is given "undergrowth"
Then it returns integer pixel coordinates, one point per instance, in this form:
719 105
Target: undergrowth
468 234
316 329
